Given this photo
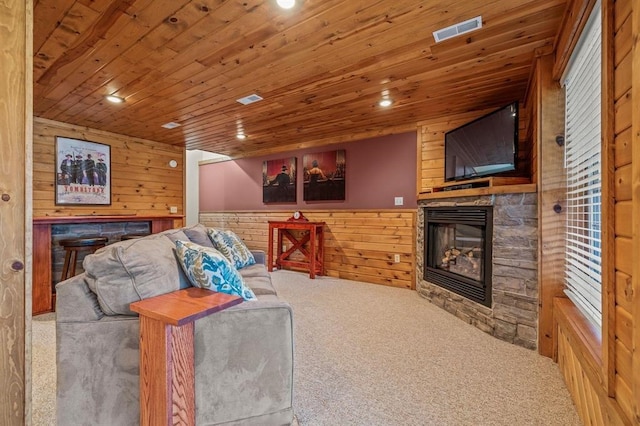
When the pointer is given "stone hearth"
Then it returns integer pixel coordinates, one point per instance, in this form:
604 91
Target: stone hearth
513 316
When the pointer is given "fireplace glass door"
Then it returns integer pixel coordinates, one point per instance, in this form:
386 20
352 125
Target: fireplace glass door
459 249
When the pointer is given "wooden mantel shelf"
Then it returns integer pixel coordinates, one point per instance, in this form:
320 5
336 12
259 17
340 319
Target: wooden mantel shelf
478 187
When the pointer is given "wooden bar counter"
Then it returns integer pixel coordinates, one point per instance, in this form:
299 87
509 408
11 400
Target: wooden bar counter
42 291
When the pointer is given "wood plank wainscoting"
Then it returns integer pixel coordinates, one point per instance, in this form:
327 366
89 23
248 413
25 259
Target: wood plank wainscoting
359 244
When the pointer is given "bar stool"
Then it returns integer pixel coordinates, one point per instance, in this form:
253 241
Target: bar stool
72 246
132 236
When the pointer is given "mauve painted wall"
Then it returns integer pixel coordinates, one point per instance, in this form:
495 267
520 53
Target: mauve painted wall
378 170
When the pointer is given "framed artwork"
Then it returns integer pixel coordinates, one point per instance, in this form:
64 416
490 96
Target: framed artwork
83 172
324 176
279 180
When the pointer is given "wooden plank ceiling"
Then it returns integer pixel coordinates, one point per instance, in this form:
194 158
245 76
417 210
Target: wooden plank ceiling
321 67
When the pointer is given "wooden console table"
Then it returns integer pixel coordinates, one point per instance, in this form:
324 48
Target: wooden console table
42 291
167 366
313 256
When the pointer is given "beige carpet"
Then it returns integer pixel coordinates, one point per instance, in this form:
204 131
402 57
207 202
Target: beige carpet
374 355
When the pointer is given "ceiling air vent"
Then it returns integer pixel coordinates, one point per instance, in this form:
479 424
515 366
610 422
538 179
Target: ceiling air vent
457 29
249 99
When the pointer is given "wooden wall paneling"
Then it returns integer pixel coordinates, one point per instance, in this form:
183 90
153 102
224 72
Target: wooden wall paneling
580 364
580 387
16 32
359 244
635 185
549 101
608 281
142 182
625 206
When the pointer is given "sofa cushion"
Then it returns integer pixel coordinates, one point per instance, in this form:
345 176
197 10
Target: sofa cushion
126 272
198 234
232 247
208 268
260 285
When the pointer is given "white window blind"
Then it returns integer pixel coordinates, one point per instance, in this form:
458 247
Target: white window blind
583 283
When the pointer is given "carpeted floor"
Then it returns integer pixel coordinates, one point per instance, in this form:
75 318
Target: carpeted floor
375 355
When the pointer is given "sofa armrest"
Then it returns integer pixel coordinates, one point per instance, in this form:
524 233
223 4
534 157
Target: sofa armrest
259 256
244 363
75 302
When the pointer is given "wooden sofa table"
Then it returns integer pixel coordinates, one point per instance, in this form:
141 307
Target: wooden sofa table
167 366
313 251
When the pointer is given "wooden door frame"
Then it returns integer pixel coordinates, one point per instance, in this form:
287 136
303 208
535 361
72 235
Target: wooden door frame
16 92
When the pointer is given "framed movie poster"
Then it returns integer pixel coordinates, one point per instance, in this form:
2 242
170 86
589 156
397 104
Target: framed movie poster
324 176
279 181
83 172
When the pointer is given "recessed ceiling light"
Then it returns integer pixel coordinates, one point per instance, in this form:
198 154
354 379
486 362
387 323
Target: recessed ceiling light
170 125
115 99
286 4
241 136
385 103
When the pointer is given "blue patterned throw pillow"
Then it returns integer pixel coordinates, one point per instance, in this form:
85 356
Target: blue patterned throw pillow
232 247
208 268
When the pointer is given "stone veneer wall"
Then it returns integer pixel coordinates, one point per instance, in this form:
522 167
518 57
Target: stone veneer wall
513 316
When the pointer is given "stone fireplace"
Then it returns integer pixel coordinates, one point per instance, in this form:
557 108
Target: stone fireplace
477 258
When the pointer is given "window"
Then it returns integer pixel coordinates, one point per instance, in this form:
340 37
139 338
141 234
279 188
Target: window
583 273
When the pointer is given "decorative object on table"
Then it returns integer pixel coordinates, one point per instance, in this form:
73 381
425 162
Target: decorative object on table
279 180
297 216
324 176
83 172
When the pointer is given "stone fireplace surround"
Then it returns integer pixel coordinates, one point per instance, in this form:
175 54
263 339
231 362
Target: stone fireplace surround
513 316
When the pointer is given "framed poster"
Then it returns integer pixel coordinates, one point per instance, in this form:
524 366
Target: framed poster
83 172
279 181
324 176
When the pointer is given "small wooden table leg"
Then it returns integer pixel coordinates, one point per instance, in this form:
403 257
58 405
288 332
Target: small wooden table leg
167 392
313 257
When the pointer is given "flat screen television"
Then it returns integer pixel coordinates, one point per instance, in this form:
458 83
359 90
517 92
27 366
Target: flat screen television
484 147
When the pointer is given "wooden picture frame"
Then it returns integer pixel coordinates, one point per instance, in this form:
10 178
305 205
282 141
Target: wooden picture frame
82 172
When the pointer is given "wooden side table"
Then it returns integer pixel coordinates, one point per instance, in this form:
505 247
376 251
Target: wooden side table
313 255
167 366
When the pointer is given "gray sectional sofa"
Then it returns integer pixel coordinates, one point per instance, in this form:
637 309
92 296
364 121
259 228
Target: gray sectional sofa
243 355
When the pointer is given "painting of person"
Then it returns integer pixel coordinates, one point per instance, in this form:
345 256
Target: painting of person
324 176
101 172
88 171
77 169
315 173
82 170
279 181
66 168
